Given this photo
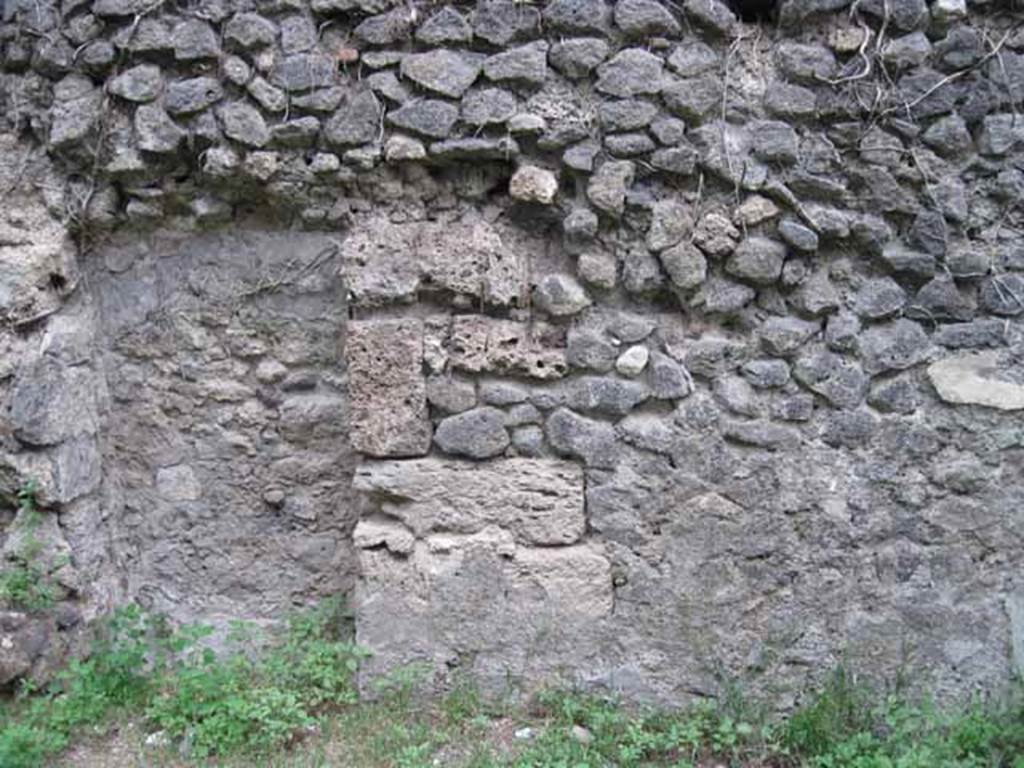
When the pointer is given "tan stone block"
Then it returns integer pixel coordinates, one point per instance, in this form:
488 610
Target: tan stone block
387 390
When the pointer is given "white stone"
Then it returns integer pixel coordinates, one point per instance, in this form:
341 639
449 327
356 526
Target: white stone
533 185
633 361
970 379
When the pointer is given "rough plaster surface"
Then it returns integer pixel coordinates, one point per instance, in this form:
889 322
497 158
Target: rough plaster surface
621 344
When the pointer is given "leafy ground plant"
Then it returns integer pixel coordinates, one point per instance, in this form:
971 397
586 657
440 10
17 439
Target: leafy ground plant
239 701
25 582
293 702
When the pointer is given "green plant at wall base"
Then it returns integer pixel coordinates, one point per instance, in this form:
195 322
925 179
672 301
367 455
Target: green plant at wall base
25 582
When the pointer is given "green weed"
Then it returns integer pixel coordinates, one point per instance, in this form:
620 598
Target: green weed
25 582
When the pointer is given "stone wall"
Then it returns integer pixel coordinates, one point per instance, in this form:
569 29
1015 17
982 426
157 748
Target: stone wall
624 344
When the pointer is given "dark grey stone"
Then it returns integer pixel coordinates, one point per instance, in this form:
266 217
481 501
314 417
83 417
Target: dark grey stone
641 272
451 394
151 35
893 347
525 64
194 39
628 144
850 429
973 335
629 73
250 30
902 14
155 131
502 393
841 332
694 58
681 161
712 15
907 51
605 395
1001 134
949 136
387 85
667 378
1003 294
322 100
141 83
268 96
488 106
358 122
528 441
793 408
736 394
897 394
478 433
766 373
427 117
878 298
774 141
594 442
577 57
668 130
626 115
840 381
580 226
243 123
298 34
757 260
186 97
762 434
798 236
577 16
721 296
386 28
445 26
806 63
942 299
694 99
500 21
782 336
929 233
790 102
301 132
643 18
304 72
685 264
901 258
449 73
504 148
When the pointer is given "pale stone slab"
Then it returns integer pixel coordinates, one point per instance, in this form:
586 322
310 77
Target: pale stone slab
972 380
539 500
385 263
387 390
482 606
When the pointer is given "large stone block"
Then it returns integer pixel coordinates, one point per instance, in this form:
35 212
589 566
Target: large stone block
539 500
386 263
387 390
510 617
